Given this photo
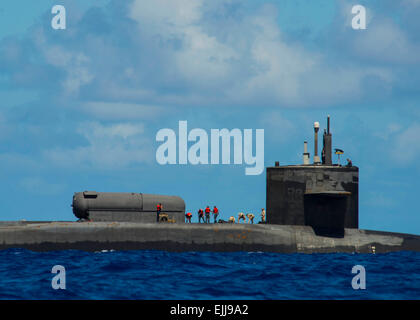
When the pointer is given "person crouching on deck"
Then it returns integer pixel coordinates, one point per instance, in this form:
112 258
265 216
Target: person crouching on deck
188 216
250 217
241 216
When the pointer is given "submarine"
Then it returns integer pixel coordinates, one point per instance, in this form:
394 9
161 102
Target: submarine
310 208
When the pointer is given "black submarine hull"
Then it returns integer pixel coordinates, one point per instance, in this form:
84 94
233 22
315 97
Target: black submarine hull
97 236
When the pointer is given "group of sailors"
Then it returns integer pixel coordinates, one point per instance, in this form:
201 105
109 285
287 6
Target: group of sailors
205 216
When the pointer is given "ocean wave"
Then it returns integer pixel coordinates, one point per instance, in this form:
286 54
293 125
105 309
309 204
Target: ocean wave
153 274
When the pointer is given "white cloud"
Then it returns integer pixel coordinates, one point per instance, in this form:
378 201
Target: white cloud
186 53
385 41
406 144
411 2
113 146
121 111
94 130
18 161
168 17
278 66
249 63
76 64
202 58
390 130
378 199
277 126
39 186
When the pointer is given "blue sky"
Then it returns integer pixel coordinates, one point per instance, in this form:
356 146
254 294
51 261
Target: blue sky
80 108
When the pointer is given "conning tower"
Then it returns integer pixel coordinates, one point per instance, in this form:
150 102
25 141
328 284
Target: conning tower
322 194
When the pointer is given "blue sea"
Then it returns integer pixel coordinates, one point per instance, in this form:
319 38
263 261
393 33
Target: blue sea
26 274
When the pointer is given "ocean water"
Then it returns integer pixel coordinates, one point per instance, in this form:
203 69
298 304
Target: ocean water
207 275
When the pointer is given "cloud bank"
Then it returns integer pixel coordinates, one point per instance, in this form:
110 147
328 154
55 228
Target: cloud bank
193 53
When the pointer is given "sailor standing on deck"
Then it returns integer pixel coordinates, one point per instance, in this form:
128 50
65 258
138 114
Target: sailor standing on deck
215 213
158 210
207 214
200 215
262 215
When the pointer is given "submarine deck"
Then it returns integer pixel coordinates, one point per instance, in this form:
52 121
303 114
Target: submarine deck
94 236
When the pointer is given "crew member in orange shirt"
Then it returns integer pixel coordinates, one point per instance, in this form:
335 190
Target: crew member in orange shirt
188 216
215 213
158 210
207 214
